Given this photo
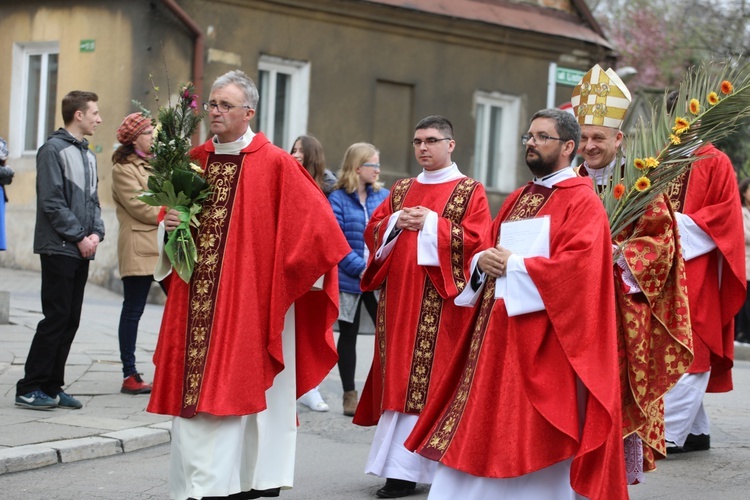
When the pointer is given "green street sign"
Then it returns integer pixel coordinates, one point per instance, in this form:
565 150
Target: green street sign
569 77
88 45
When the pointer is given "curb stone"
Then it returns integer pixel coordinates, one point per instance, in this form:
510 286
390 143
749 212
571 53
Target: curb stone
21 458
139 438
35 456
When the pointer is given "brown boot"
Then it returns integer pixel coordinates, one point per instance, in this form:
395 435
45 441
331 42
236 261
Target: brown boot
350 403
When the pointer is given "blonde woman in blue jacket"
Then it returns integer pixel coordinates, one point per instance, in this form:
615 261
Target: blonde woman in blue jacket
356 194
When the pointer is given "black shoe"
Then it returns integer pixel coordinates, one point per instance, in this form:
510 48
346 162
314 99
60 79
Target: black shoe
396 488
244 495
693 442
270 492
697 442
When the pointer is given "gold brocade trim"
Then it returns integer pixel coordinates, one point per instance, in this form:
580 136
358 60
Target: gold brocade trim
677 190
530 202
424 348
398 193
432 304
210 242
380 329
446 428
655 344
455 211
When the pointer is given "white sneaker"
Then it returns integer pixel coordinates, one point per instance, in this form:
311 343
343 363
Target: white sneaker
313 400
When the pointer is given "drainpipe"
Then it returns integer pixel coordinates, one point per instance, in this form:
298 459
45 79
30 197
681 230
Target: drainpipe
198 47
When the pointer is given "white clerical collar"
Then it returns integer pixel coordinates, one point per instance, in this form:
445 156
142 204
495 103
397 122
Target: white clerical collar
233 148
601 176
449 173
555 177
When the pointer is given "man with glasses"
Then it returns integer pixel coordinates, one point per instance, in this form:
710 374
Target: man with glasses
655 344
529 406
418 239
251 331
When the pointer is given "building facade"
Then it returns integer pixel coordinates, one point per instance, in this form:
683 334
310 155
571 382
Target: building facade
342 70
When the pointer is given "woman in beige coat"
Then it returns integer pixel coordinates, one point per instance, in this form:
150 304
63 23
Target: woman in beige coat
137 246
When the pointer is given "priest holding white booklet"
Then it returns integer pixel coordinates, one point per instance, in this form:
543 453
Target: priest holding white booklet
529 407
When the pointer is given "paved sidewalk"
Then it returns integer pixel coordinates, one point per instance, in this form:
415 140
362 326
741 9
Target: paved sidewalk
109 422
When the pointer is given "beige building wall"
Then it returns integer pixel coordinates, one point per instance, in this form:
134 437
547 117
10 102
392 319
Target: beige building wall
126 51
375 70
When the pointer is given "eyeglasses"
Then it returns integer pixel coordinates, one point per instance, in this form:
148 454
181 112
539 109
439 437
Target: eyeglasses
540 139
221 107
373 165
430 141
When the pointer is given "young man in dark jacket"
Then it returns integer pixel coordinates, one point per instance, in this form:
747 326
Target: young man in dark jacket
68 230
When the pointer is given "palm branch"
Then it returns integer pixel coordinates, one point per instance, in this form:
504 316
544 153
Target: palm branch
712 101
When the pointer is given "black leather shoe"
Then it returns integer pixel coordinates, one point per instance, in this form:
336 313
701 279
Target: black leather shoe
697 442
234 496
693 442
396 488
270 492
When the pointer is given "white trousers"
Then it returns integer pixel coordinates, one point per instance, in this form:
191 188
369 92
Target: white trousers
388 456
550 483
683 408
220 456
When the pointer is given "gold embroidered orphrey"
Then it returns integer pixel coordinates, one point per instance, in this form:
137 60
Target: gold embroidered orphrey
221 172
677 190
527 206
432 304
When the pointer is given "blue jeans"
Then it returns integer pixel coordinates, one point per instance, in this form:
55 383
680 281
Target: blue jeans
136 290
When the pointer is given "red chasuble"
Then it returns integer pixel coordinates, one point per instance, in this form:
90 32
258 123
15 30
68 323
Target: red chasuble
654 339
708 194
417 323
266 235
508 404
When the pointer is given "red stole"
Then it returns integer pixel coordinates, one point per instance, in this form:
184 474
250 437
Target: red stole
508 404
219 346
416 331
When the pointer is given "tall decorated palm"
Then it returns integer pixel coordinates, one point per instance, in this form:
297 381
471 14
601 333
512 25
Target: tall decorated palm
711 102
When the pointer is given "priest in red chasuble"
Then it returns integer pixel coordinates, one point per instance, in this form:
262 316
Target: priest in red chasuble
653 324
529 406
709 220
418 239
251 331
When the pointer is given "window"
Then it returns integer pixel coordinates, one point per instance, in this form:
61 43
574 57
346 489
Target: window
34 94
496 147
284 87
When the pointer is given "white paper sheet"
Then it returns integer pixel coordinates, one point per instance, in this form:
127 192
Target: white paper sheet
525 238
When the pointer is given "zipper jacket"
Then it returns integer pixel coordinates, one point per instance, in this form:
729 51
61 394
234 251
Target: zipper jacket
66 196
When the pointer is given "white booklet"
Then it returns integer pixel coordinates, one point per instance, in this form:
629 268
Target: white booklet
525 238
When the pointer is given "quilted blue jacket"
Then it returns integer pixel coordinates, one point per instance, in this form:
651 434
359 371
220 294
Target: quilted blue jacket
353 217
